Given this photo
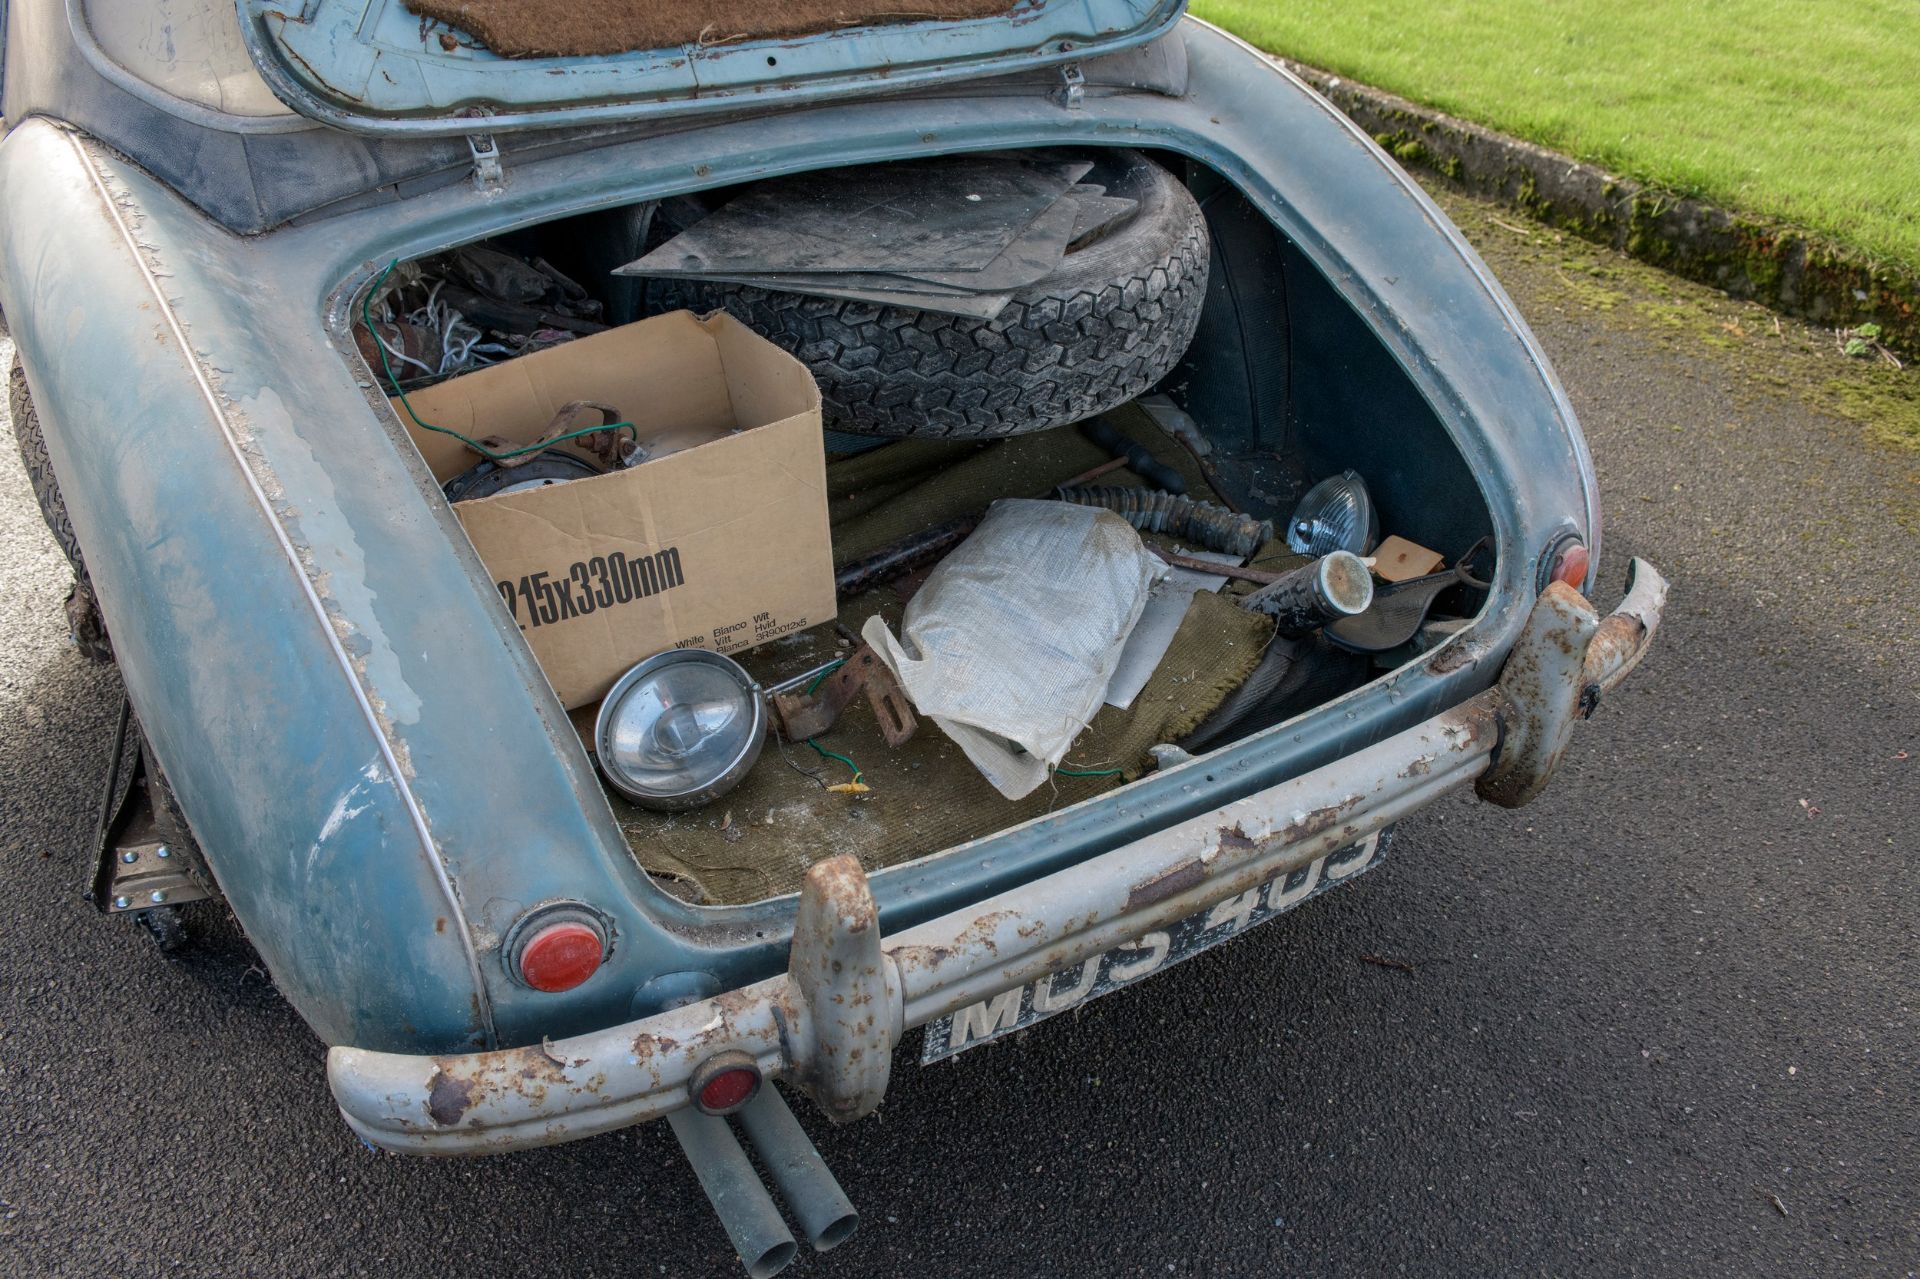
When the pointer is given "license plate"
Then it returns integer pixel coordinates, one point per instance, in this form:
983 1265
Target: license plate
1129 962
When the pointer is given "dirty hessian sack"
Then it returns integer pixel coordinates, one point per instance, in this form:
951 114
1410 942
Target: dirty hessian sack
1010 643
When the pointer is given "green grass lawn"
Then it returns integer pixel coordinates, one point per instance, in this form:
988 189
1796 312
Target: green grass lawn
1803 110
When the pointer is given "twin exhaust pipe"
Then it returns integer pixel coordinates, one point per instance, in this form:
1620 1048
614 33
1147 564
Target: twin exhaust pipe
740 1199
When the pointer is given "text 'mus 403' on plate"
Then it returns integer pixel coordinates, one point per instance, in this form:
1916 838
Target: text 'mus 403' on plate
1129 962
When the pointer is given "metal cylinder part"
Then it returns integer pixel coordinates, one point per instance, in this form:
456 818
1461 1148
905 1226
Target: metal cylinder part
1155 511
738 1197
896 558
1139 459
826 1216
1332 587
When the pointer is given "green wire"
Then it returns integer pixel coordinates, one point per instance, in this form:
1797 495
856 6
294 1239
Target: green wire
1085 772
821 678
857 774
386 365
818 680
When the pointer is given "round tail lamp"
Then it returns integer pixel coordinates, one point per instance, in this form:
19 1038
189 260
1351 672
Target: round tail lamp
724 1083
556 947
560 956
1566 560
1570 566
680 729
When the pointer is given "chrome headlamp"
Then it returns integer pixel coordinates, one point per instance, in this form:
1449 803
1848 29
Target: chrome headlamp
1337 514
680 729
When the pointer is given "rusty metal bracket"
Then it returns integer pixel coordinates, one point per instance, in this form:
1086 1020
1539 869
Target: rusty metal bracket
803 715
843 1002
138 866
1623 635
1565 658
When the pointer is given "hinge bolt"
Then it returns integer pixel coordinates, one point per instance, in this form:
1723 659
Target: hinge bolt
1073 86
162 851
129 857
157 896
121 903
488 173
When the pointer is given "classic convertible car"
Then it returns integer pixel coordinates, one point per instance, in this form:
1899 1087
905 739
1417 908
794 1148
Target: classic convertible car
238 237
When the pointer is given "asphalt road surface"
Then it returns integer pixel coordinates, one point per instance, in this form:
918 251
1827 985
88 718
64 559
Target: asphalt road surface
1660 1022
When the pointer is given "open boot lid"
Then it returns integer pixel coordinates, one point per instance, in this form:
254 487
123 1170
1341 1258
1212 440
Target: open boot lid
454 67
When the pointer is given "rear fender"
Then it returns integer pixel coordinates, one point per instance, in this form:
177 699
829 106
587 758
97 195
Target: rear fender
249 693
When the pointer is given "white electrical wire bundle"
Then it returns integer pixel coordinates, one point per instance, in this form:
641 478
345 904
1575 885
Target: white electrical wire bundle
463 344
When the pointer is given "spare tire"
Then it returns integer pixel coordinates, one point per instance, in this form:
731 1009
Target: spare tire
1109 323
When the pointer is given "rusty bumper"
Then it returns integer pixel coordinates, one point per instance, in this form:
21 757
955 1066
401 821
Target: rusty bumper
831 1022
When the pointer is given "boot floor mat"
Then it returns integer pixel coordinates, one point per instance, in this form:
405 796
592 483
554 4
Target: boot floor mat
926 796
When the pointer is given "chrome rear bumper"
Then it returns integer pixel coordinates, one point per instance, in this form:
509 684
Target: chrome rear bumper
831 1022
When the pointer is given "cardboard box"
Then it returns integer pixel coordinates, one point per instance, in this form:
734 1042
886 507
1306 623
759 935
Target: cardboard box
719 540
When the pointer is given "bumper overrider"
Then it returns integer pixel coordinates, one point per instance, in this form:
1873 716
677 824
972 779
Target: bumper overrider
829 1025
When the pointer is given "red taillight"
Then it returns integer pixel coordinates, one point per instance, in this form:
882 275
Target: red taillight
1570 567
727 1090
724 1083
561 956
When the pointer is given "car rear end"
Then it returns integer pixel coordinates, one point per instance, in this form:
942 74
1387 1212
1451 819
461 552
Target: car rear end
491 945
1416 374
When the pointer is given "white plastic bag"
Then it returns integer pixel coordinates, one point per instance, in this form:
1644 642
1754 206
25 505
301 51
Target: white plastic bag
1009 644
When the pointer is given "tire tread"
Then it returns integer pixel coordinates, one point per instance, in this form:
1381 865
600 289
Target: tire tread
1048 358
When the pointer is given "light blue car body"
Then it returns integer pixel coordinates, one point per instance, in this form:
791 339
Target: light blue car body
373 765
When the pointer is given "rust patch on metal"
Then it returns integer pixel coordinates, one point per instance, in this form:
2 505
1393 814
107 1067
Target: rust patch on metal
920 957
1453 657
1618 637
1168 883
980 932
458 1085
840 881
1235 837
449 1098
1320 819
1418 768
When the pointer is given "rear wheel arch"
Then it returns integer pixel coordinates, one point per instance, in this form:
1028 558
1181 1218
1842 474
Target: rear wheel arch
84 619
